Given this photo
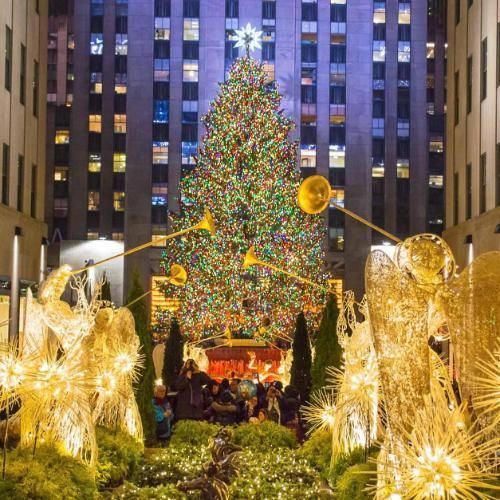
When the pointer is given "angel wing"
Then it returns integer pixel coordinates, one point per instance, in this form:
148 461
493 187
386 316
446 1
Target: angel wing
398 310
472 306
123 327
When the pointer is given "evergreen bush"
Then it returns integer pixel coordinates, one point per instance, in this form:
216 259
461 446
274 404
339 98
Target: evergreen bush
193 433
317 450
264 436
174 355
354 482
301 364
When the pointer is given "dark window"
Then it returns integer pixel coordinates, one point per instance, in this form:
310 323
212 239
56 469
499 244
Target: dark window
404 71
337 176
190 50
121 24
190 132
161 91
455 198
379 31
119 143
95 104
309 52
94 181
457 98
191 8
33 190
8 58
5 174
308 94
231 8
337 95
378 104
482 184
484 68
457 11
97 8
469 84
61 155
190 91
268 51
309 12
404 32
337 135
36 83
378 151
338 13
230 52
160 174
160 132
94 142
96 24
162 49
22 76
404 103
119 181
95 64
337 53
120 104
378 70
403 147
268 10
120 64
468 191
162 8
20 183
308 134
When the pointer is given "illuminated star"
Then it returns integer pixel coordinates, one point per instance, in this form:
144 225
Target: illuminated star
249 38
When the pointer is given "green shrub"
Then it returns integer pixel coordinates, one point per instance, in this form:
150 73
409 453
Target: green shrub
172 464
317 450
46 476
118 457
130 491
264 436
354 481
193 432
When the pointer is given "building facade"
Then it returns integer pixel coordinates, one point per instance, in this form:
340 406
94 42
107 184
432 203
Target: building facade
23 48
130 80
473 155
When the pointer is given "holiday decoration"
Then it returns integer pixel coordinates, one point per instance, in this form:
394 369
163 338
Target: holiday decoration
246 174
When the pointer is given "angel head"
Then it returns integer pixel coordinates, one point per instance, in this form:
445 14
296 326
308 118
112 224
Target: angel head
53 287
427 258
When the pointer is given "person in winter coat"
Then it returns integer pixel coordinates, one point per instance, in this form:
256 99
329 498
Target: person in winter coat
274 404
189 386
291 414
163 414
226 411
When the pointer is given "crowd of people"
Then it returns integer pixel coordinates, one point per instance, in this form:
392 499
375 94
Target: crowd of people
229 402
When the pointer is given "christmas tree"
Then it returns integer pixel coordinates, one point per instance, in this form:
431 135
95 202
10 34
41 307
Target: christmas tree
246 174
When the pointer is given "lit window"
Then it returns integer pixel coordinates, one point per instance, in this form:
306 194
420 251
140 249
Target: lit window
96 43
61 207
337 197
190 70
336 235
403 128
308 156
119 162
269 71
94 164
379 50
117 236
430 50
159 195
92 235
162 70
403 169
160 152
61 174
231 23
62 137
378 12
404 16
120 88
121 44
436 181
120 124
93 200
158 235
336 157
95 123
404 51
309 26
378 127
377 171
436 145
119 201
162 28
160 111
96 83
189 150
189 106
191 29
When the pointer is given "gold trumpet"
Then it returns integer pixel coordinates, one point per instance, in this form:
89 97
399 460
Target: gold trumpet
252 260
207 224
314 197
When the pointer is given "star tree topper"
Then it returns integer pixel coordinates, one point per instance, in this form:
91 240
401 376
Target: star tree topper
249 38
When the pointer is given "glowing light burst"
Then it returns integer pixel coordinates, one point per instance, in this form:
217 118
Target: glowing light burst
487 385
320 412
248 37
439 458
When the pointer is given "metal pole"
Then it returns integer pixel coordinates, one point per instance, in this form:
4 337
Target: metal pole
14 288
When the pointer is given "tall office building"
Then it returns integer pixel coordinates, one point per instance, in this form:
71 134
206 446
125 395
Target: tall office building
131 79
473 155
23 47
